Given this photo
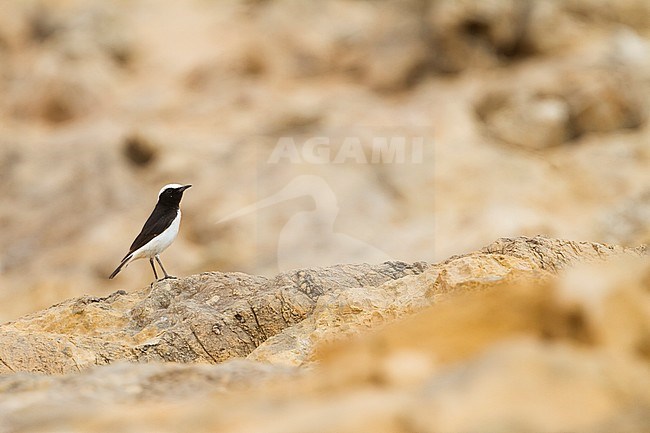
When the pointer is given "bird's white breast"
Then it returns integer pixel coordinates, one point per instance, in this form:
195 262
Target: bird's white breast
160 243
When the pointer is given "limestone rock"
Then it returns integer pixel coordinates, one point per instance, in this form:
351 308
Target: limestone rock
345 313
40 396
555 388
213 317
209 317
556 254
535 122
533 334
564 106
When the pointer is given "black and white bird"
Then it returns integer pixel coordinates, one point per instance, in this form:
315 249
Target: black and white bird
159 231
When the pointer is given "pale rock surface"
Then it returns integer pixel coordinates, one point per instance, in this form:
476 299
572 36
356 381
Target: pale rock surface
528 334
212 317
209 317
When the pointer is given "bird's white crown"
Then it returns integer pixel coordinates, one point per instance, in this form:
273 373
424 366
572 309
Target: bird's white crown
171 185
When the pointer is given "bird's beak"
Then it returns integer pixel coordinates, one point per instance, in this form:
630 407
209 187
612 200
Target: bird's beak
183 188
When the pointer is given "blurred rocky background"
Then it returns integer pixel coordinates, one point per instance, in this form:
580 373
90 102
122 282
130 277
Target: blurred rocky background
533 113
533 120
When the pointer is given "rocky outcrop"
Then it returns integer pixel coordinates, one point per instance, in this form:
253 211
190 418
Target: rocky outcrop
546 335
557 254
213 317
209 317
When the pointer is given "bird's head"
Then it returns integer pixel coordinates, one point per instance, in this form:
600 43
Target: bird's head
172 193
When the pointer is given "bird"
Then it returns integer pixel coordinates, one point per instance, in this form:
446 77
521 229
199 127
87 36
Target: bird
158 232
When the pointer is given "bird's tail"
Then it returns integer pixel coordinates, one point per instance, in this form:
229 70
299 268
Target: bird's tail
123 263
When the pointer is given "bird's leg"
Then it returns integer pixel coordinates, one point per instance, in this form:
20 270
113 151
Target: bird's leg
155 274
163 269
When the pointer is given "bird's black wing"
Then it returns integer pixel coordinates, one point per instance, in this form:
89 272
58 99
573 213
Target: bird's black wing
159 220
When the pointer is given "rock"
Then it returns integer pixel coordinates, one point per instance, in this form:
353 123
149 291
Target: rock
549 113
383 47
497 340
209 317
602 102
582 307
212 86
66 66
530 121
213 317
626 224
537 334
555 388
345 312
553 338
473 34
138 150
557 254
60 91
633 13
128 383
